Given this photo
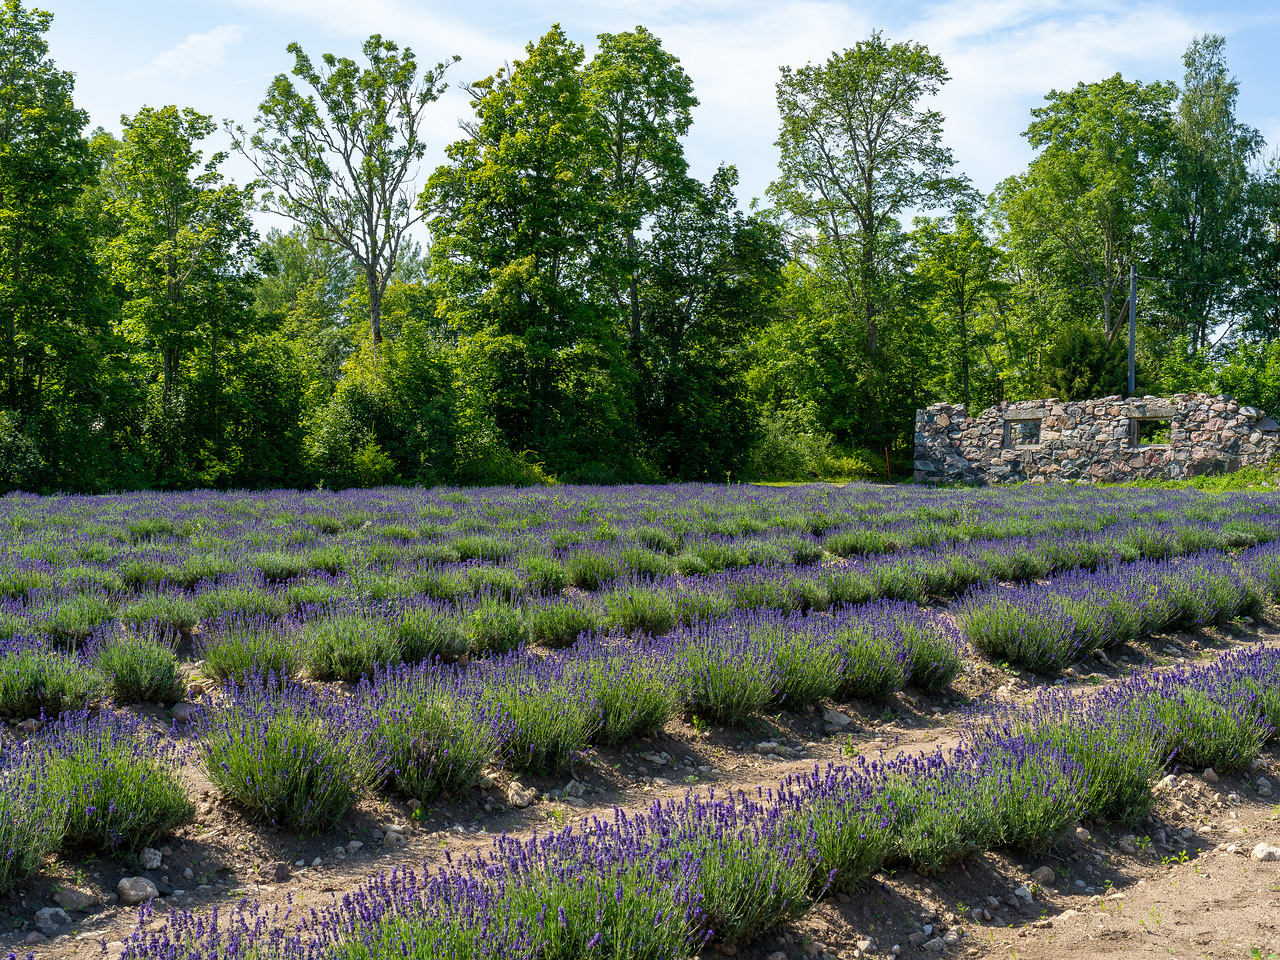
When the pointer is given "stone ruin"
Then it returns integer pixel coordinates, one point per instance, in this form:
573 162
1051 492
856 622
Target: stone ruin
1107 440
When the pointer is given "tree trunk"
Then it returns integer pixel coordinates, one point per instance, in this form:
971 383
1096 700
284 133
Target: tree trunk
633 290
375 304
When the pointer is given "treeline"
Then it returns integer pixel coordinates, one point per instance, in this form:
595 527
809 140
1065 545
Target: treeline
585 309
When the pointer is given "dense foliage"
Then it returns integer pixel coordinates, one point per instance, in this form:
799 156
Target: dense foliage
585 309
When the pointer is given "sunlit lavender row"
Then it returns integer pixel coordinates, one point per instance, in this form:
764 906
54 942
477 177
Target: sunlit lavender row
728 868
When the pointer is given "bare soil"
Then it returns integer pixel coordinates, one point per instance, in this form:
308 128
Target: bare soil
1189 888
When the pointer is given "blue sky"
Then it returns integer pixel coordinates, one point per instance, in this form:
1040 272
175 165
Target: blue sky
1004 55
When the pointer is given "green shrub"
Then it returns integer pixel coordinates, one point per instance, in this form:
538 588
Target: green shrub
140 670
36 680
122 782
176 613
543 574
559 623
494 628
348 647
276 567
236 649
641 610
428 634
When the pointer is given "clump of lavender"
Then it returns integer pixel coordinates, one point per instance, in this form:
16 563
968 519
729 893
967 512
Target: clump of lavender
551 705
238 646
288 753
120 781
36 680
33 814
140 669
632 684
727 673
436 735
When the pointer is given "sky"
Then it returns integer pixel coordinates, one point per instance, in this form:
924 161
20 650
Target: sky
219 56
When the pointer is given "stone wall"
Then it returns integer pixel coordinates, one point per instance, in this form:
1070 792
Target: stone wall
1105 440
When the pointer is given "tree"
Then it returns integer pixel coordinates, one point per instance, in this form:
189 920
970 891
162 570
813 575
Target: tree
1084 206
641 100
342 167
181 235
857 151
1200 220
54 306
517 214
710 279
963 290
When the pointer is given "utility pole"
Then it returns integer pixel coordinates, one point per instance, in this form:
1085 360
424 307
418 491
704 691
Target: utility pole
1133 319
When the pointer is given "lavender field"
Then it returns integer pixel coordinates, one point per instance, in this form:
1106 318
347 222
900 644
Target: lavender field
403 642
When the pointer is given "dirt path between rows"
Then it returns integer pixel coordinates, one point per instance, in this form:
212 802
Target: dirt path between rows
1189 888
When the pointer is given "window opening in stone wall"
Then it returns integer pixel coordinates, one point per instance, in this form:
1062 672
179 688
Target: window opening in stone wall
1021 433
1151 432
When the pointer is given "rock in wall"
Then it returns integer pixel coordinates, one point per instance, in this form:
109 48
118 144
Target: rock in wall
1107 440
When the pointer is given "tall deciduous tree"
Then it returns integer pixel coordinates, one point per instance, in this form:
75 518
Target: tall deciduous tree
1086 201
963 288
858 149
44 166
517 214
181 235
341 159
1201 218
641 100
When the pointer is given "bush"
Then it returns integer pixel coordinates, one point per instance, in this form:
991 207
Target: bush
635 694
348 647
75 619
494 628
552 711
35 681
543 574
642 610
873 668
140 670
428 634
121 780
33 817
728 677
174 613
560 622
295 757
276 567
589 570
436 739
236 648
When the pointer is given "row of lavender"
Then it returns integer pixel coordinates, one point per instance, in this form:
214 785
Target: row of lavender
337 626
659 884
75 562
300 755
1043 625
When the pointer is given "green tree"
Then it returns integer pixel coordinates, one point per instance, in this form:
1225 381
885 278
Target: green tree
54 307
963 293
641 101
1082 211
181 235
339 161
710 279
516 217
1200 220
857 152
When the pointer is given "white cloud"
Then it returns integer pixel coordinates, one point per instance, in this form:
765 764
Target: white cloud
194 55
